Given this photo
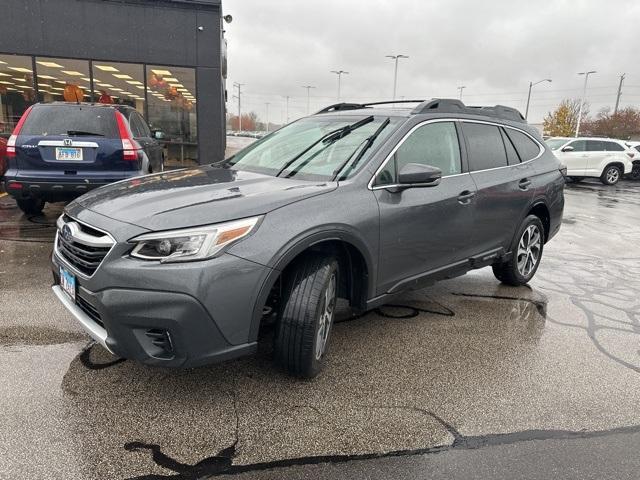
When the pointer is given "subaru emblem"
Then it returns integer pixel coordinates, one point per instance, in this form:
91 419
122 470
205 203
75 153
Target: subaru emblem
67 142
66 233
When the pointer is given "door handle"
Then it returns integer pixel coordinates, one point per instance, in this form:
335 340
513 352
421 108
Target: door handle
465 197
524 184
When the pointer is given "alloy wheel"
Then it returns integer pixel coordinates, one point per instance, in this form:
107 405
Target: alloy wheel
613 175
529 249
326 317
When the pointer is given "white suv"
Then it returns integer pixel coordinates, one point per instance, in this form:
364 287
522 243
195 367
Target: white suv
603 158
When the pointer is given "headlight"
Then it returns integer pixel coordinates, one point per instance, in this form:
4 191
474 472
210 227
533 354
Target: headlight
192 243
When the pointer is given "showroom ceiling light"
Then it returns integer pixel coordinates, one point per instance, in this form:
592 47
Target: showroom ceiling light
116 89
140 87
4 74
177 85
47 77
134 82
106 68
3 82
170 79
57 88
20 69
18 79
49 64
122 76
73 73
162 72
107 85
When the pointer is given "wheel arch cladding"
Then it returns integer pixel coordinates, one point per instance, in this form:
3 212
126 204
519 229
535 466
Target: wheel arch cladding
354 265
541 211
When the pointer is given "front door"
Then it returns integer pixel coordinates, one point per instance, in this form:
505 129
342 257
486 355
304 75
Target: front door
576 159
423 229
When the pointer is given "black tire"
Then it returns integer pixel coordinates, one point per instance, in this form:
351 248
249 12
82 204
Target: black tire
296 343
611 175
511 272
635 173
30 206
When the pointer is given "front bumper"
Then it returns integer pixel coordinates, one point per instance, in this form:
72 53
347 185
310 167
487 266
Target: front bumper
203 311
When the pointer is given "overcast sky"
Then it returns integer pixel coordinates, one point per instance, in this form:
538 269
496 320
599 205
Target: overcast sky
493 47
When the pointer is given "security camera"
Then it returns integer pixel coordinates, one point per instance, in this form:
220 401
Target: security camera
228 18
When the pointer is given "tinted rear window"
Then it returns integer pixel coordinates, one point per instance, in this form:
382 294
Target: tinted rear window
48 120
527 148
486 149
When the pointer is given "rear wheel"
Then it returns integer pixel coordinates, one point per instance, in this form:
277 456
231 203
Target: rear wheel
307 314
30 206
611 175
526 254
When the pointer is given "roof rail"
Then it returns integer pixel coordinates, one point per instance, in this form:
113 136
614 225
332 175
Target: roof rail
357 106
446 105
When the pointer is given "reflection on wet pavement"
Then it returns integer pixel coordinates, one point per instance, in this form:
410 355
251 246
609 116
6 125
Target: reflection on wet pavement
464 362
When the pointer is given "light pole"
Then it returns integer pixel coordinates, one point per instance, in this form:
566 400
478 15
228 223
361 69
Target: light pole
239 87
339 73
395 71
584 95
287 100
531 85
460 89
267 104
308 87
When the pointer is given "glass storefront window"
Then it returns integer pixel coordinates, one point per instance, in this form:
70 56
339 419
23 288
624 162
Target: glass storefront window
119 83
62 80
172 110
16 90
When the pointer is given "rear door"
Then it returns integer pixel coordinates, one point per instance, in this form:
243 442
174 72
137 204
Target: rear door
142 135
68 139
503 183
423 229
597 156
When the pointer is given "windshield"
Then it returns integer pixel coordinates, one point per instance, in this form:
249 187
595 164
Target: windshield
281 153
556 143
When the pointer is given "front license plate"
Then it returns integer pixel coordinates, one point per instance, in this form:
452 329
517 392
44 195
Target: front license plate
67 153
68 283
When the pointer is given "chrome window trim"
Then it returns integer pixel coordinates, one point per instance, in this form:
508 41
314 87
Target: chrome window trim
372 187
60 143
60 223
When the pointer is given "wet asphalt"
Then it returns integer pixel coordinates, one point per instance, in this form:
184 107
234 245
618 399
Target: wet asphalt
465 379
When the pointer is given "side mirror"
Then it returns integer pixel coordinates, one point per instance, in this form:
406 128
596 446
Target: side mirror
419 175
568 148
158 134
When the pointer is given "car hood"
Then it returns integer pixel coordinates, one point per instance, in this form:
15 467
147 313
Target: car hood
198 196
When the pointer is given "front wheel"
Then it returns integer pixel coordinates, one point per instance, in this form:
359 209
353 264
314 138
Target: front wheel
611 175
30 206
307 314
525 254
635 173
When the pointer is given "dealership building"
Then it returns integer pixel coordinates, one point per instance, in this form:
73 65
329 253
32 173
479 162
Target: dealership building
166 58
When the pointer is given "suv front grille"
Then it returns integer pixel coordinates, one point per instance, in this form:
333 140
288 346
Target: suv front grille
89 309
82 246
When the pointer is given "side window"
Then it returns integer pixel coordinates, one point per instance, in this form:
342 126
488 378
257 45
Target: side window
578 145
144 128
434 144
526 147
486 148
133 124
595 146
512 155
613 147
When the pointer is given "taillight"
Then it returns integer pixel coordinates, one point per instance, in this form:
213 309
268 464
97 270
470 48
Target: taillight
631 154
11 143
130 147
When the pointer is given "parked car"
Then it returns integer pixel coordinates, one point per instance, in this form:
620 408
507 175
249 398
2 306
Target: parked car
58 151
185 268
3 152
604 158
635 173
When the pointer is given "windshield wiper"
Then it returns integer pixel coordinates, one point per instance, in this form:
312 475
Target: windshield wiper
367 145
83 133
327 138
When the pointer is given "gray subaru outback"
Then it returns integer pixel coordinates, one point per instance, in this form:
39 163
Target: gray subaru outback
359 203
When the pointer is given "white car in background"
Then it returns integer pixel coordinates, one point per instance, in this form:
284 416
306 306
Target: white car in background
604 158
635 173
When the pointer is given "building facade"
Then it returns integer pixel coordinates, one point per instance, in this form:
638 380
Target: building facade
166 58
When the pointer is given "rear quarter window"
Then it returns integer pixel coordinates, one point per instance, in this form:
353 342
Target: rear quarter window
486 148
613 147
526 147
46 120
